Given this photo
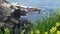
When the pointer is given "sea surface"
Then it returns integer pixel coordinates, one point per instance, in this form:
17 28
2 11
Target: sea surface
48 6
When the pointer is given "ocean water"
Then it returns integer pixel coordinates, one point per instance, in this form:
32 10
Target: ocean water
34 15
39 3
48 6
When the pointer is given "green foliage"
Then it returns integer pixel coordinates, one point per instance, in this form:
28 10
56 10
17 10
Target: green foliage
44 25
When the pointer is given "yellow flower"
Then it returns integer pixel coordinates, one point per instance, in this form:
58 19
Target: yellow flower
37 31
6 30
45 32
53 29
58 11
57 23
58 32
32 32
